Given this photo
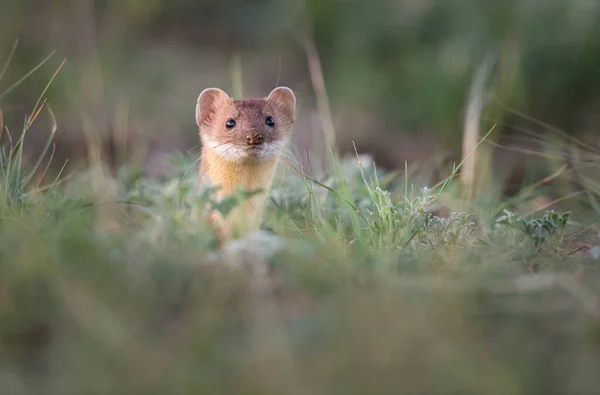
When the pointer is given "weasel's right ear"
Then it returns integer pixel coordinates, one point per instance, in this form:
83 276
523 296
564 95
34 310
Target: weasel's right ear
208 102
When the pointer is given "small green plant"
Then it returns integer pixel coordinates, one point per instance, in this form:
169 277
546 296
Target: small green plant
535 233
456 230
412 220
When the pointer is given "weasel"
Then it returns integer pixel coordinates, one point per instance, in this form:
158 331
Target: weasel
242 141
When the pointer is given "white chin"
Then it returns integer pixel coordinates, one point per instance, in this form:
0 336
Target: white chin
234 153
271 150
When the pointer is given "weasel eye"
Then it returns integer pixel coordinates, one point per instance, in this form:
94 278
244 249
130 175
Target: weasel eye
270 122
230 124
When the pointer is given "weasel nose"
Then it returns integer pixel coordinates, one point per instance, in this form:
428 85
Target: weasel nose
255 139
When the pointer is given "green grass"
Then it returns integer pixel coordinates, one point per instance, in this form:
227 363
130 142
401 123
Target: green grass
111 286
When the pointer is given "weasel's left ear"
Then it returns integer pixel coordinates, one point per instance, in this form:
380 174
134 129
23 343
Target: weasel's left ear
285 100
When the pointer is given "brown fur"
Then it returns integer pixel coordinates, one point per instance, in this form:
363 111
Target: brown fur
228 161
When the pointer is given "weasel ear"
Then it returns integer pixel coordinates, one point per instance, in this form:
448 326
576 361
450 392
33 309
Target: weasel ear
208 102
285 99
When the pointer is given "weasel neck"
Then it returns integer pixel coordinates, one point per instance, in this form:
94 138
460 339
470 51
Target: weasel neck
227 175
215 171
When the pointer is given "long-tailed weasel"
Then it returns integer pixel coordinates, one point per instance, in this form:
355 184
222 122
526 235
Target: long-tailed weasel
242 141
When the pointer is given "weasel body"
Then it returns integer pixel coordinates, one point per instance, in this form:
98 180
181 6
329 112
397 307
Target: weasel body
242 141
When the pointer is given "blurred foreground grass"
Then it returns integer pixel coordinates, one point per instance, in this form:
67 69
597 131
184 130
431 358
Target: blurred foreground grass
110 286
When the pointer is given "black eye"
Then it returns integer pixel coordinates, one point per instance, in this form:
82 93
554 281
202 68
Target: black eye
270 122
230 124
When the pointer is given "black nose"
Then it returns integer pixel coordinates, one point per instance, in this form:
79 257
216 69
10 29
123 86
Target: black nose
255 139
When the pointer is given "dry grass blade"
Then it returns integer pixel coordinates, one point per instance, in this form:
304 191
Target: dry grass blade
551 177
318 84
454 172
237 85
42 175
555 202
472 121
547 126
525 151
48 143
37 110
27 75
304 175
34 115
10 56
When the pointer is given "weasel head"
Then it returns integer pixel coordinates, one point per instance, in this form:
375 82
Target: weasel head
245 131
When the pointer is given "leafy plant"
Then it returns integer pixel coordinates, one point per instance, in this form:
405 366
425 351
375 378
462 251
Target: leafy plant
535 233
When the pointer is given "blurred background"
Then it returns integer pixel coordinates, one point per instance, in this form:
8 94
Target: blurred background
394 76
103 285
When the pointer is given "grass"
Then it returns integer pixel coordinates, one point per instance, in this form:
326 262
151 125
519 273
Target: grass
356 286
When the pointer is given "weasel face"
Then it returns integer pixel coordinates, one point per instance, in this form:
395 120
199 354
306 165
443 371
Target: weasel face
245 130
